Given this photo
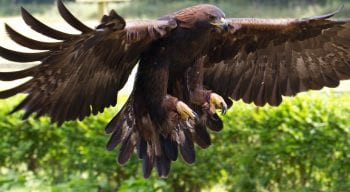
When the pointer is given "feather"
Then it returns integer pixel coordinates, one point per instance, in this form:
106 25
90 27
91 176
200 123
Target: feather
73 21
187 149
147 165
30 43
113 21
13 91
22 57
162 164
116 137
170 148
21 105
43 29
214 123
142 148
15 75
201 136
262 59
127 148
323 17
32 105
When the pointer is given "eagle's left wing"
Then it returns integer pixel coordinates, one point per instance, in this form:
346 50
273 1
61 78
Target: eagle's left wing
82 73
259 60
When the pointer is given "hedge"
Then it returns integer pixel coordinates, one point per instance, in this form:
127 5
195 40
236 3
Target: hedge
302 145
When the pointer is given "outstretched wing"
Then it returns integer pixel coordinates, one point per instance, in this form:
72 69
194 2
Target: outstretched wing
81 74
259 60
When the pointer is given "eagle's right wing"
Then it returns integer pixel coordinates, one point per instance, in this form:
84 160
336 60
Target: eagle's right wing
81 74
261 60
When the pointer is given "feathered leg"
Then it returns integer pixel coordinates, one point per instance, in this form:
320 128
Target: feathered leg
152 85
153 122
205 102
198 95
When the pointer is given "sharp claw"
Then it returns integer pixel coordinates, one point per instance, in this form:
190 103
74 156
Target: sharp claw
185 111
223 108
216 101
196 117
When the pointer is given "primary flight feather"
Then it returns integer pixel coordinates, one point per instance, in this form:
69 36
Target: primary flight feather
191 63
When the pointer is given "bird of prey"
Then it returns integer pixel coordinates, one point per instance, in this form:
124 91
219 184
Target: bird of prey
191 63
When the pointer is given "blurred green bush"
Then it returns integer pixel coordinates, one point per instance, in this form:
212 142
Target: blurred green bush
303 145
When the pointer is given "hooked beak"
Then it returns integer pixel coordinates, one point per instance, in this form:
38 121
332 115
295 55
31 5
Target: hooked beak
221 23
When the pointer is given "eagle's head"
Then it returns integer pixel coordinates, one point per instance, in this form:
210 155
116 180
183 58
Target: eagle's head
203 16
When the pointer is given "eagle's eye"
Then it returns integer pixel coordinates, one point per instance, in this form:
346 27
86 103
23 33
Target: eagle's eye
212 17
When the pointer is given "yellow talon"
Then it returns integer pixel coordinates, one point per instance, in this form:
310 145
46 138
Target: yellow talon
185 111
216 101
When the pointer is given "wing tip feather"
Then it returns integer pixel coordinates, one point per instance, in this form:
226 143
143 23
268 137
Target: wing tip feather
42 28
325 16
71 19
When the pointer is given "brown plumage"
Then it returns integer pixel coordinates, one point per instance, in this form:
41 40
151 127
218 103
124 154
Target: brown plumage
186 61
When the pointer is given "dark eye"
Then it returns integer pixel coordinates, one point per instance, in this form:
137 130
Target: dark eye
212 17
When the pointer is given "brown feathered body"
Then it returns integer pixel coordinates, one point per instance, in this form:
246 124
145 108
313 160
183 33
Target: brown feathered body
186 60
164 72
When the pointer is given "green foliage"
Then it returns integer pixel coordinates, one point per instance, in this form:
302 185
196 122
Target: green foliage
303 145
300 146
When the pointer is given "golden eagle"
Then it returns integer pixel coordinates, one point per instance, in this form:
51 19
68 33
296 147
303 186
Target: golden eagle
191 63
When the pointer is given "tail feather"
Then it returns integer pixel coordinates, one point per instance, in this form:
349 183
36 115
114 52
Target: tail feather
116 137
141 148
201 136
215 123
187 149
157 146
170 148
147 165
127 148
118 120
162 164
147 157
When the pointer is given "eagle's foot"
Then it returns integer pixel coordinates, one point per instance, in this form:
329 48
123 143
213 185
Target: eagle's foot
216 102
209 101
185 111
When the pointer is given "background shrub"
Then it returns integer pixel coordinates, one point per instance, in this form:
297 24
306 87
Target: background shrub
302 145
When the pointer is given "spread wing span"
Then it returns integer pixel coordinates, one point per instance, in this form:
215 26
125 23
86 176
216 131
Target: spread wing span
81 73
259 60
